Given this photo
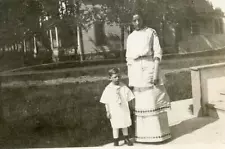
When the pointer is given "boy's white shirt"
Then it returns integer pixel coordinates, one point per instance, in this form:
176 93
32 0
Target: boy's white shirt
118 109
112 89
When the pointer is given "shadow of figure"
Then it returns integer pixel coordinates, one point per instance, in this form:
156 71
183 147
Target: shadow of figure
189 126
183 128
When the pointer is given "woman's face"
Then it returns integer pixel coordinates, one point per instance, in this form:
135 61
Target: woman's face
137 22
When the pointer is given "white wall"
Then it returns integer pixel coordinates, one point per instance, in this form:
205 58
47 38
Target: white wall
89 47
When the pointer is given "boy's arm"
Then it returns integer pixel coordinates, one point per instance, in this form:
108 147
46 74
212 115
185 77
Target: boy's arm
106 107
107 111
104 100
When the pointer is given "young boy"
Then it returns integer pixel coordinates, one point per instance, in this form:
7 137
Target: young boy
116 97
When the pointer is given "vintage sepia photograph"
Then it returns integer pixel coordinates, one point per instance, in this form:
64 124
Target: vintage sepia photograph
112 73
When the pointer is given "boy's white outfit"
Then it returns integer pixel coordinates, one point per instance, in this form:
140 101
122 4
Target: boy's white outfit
117 98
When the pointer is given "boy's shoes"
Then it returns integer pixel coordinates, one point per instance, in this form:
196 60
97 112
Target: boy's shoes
127 141
116 142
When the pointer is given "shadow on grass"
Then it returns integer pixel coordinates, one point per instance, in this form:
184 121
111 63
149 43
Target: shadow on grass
52 137
45 131
67 115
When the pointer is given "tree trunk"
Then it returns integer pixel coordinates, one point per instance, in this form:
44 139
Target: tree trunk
130 29
24 46
2 52
17 47
35 47
56 37
22 51
162 31
191 27
51 45
75 44
178 37
80 45
122 43
51 40
14 47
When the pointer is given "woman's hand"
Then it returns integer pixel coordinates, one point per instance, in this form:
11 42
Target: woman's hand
154 80
156 72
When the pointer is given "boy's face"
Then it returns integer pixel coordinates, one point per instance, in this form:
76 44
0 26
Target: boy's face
115 78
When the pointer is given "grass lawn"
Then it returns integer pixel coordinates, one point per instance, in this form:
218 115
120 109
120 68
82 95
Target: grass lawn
54 116
65 111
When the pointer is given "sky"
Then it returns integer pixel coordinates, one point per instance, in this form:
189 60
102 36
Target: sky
218 3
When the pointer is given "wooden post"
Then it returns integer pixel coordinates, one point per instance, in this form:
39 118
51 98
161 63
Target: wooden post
57 37
196 92
35 47
51 43
162 31
51 40
56 49
24 46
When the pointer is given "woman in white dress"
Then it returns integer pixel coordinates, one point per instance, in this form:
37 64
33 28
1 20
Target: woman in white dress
151 99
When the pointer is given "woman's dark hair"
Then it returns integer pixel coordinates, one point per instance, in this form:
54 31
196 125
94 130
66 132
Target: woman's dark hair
139 13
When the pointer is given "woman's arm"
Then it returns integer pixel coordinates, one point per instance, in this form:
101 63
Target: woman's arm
157 51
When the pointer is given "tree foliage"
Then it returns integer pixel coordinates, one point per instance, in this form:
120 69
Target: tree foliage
22 19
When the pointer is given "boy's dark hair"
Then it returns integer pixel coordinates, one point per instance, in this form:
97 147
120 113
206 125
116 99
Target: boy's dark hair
113 71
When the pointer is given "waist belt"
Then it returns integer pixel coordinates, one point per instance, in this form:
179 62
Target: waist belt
142 89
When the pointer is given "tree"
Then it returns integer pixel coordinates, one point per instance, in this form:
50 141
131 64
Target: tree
26 19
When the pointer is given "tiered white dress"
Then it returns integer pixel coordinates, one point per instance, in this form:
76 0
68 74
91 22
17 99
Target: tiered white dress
151 102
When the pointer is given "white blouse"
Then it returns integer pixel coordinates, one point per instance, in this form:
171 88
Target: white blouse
144 42
142 47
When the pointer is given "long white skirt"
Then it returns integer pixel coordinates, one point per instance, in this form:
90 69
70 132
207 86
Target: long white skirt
153 128
151 121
